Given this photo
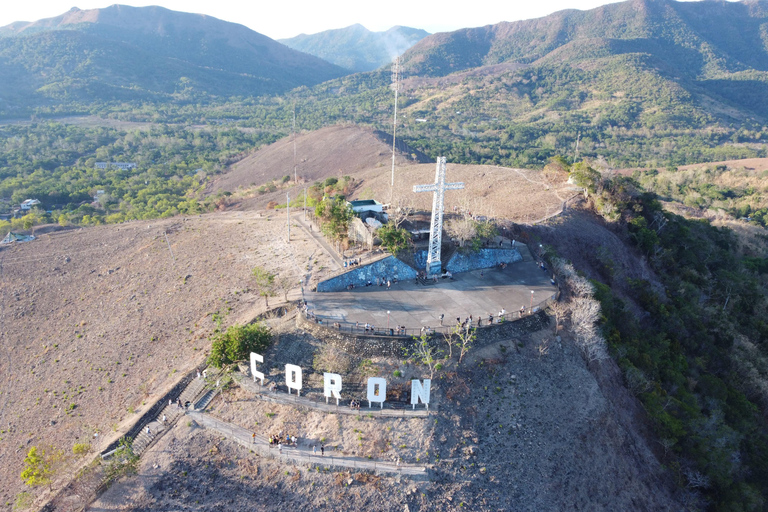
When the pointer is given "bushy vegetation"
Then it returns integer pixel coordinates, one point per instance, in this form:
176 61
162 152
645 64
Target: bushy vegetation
696 357
739 192
394 240
237 342
54 163
40 466
335 215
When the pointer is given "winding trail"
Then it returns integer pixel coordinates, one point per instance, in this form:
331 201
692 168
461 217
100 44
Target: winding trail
301 455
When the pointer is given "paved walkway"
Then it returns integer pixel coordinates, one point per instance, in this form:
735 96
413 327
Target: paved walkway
477 293
320 239
302 454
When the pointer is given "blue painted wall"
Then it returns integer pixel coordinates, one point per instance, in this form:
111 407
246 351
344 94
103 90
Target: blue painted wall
387 268
484 258
420 257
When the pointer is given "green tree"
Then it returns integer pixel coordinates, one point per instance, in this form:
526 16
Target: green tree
585 176
122 462
462 338
40 466
265 280
394 239
336 214
425 353
237 342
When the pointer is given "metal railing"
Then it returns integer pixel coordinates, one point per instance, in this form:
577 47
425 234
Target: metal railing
303 453
358 329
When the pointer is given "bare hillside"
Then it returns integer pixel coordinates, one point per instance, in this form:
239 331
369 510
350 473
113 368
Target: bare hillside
518 194
331 151
516 428
97 322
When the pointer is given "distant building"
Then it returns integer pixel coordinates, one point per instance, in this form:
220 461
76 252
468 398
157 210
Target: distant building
28 204
120 165
15 237
366 205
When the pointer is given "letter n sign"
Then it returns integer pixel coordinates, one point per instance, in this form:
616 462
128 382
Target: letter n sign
420 391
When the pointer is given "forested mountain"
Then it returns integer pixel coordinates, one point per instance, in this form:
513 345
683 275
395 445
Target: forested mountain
356 48
692 39
126 53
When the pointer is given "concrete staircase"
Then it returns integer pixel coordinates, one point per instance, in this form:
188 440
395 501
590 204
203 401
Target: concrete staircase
203 402
197 394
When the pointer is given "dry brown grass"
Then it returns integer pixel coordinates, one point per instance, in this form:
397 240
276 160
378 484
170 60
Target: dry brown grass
369 479
516 194
105 319
457 387
330 359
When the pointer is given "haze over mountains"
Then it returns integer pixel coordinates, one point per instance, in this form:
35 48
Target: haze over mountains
356 48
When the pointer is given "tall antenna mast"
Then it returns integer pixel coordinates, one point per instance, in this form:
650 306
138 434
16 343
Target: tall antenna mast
576 157
295 175
396 87
288 211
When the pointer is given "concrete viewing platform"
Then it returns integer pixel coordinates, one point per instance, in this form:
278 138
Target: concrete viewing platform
414 305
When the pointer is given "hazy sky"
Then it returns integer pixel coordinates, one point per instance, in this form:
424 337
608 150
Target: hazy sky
281 18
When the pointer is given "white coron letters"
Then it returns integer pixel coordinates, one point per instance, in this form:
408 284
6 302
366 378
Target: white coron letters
420 391
377 395
256 358
332 386
293 378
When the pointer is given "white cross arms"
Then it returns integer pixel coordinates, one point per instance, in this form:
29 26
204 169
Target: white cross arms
434 265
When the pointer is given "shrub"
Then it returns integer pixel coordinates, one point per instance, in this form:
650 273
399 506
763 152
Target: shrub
123 462
81 448
40 466
237 342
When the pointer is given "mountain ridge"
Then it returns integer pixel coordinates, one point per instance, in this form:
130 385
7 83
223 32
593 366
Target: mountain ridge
355 47
696 35
154 52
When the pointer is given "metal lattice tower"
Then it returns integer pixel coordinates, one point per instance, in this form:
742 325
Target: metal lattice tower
295 174
396 87
434 265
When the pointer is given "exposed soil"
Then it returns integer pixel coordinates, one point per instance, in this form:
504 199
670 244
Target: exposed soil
516 194
517 429
96 322
332 151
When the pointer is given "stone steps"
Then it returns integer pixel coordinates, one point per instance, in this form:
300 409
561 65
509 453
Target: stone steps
203 402
193 394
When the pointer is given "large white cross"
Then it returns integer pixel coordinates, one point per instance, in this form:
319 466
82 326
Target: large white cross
434 266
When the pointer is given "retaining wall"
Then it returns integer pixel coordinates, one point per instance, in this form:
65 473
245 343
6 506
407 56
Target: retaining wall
387 268
484 258
386 346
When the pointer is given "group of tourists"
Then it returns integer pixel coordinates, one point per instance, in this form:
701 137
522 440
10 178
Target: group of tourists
352 262
279 440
